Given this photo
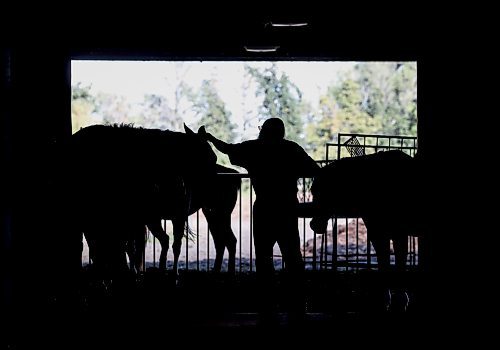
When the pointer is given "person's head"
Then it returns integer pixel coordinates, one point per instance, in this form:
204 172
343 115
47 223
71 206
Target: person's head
272 129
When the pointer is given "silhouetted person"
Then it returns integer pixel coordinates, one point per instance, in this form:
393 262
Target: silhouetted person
274 165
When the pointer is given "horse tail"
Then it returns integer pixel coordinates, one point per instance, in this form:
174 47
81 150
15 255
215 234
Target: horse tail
189 233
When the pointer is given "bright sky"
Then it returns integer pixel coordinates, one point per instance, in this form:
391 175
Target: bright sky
133 79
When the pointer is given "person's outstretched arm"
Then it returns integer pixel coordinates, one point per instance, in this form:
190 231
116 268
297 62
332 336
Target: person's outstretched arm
237 152
310 165
219 144
306 165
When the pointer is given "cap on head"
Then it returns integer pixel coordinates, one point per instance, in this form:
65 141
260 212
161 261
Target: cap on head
272 129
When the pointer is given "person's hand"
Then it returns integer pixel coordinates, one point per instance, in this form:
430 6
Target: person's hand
203 133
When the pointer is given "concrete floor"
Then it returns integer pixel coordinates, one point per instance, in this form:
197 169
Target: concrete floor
200 309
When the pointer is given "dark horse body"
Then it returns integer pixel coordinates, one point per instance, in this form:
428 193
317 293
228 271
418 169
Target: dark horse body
217 202
116 172
380 188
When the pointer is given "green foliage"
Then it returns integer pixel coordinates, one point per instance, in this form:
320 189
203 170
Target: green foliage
113 108
376 98
371 98
390 93
340 110
213 113
82 106
349 114
157 112
281 99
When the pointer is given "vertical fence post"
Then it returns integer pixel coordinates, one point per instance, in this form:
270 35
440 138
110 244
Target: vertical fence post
334 243
251 227
357 244
240 205
154 250
198 240
208 247
186 268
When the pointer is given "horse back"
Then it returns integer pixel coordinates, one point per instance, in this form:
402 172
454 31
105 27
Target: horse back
223 194
381 185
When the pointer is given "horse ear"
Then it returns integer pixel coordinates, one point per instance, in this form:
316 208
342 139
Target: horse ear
201 130
188 130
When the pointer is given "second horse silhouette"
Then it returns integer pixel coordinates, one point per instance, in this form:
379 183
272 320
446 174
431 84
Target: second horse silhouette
216 198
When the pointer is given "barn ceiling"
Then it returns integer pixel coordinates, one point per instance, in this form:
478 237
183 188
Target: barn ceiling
333 32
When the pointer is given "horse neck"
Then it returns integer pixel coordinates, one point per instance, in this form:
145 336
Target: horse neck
222 169
180 147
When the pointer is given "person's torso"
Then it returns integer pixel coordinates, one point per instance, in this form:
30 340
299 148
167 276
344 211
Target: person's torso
274 171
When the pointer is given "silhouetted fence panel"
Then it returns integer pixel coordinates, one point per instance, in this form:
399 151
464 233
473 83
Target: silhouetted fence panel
351 248
344 247
346 144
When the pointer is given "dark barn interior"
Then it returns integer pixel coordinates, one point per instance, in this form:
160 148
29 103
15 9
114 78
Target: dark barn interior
39 285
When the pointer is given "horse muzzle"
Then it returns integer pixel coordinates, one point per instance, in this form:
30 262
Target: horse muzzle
319 226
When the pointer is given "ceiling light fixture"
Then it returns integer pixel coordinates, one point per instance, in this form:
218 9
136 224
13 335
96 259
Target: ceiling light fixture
261 48
291 24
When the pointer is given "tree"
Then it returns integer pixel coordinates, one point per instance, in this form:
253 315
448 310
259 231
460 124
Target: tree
374 98
156 113
349 115
389 92
340 110
214 115
113 109
82 106
281 99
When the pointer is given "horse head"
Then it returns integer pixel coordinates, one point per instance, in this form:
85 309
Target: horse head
200 157
319 222
199 160
322 192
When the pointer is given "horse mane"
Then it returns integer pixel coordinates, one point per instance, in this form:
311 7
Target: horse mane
173 136
123 126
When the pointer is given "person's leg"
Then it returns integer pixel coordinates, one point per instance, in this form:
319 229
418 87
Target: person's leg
264 243
289 243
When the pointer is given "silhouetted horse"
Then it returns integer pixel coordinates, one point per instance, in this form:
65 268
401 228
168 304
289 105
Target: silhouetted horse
116 172
382 189
217 202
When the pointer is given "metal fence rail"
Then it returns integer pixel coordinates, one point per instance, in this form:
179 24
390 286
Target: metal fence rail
345 247
369 143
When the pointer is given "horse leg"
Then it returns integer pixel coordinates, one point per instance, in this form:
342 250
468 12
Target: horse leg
399 296
230 243
401 252
131 249
220 246
231 248
382 292
218 234
222 233
95 243
119 258
383 251
138 249
178 225
162 237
